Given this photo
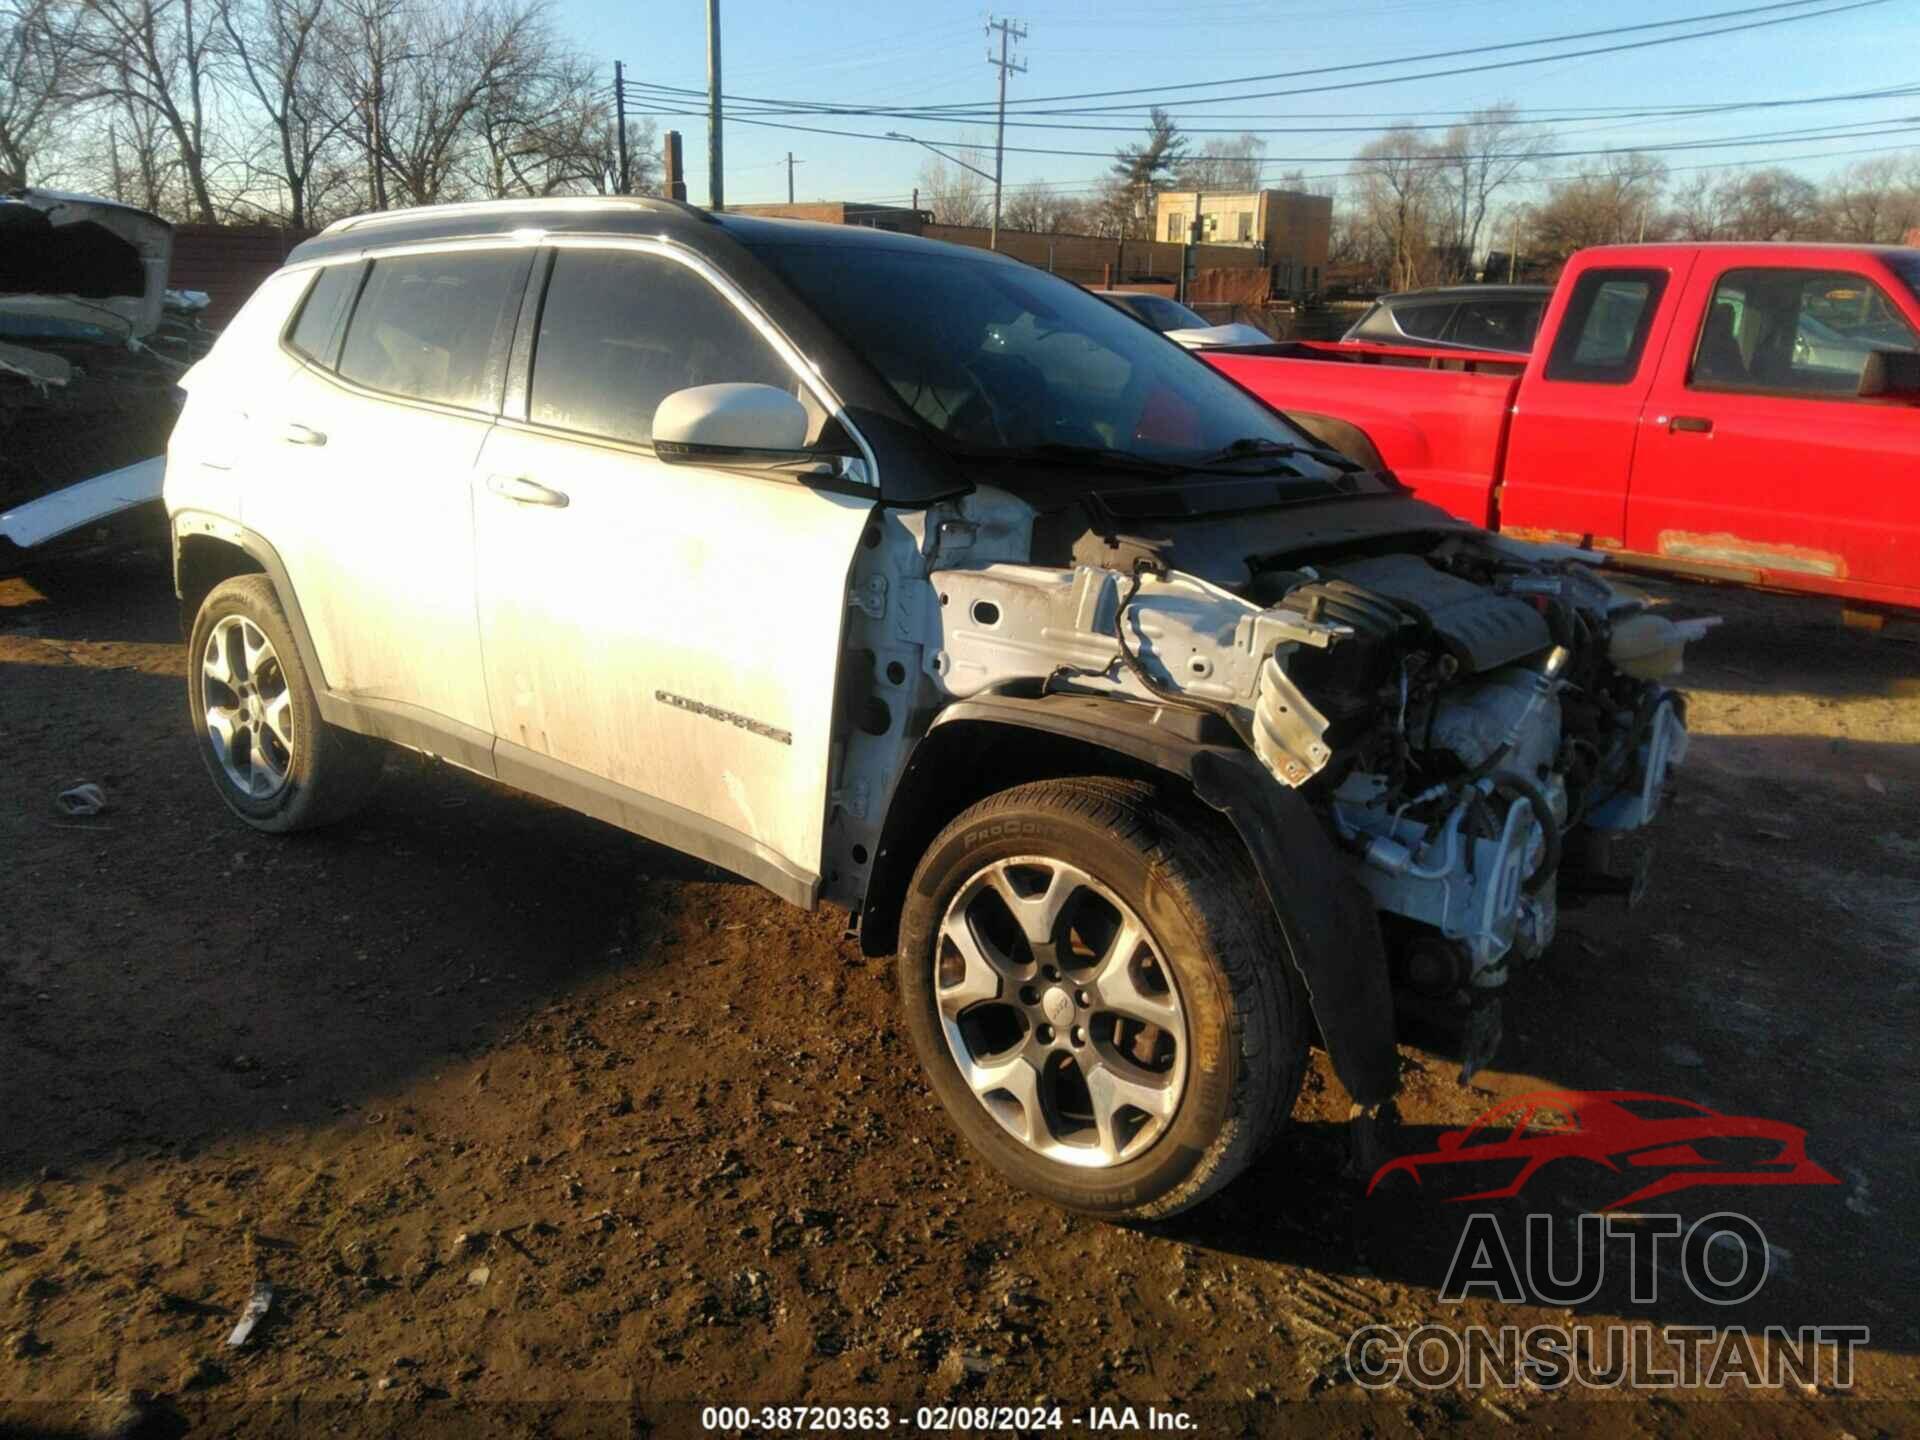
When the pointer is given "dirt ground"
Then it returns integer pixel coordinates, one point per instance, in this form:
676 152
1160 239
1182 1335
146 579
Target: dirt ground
535 1128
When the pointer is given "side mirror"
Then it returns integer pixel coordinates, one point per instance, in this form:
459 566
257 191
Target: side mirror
1891 375
730 425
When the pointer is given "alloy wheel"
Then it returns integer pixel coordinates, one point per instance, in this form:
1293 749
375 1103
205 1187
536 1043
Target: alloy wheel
249 708
1060 1011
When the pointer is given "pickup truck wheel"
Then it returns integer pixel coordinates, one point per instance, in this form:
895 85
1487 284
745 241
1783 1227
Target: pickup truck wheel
1099 991
275 762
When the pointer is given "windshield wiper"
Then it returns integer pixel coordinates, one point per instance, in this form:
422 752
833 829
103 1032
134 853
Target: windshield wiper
1097 457
1256 447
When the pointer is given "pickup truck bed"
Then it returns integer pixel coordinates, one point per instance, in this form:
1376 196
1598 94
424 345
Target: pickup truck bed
1739 413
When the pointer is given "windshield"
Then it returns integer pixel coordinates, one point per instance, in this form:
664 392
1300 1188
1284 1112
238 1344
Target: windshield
997 358
1906 264
1161 313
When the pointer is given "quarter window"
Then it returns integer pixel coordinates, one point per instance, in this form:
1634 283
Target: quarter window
1796 332
620 332
1604 330
430 326
320 312
1423 322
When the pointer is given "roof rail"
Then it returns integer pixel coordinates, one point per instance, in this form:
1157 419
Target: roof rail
583 203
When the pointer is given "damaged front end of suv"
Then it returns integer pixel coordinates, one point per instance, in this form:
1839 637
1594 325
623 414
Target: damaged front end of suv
1475 724
1422 733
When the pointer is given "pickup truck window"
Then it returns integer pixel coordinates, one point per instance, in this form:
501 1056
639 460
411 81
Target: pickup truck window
1604 330
1795 332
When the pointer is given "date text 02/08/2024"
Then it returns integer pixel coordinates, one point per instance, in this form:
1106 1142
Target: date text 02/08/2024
966 1418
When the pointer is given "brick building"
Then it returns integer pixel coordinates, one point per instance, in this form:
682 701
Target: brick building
1288 230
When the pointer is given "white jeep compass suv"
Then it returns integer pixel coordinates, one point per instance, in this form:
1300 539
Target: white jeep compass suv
1149 734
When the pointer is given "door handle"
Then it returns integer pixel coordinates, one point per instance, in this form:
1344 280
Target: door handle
526 492
1690 425
296 434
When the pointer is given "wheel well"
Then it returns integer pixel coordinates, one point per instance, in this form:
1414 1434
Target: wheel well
955 766
202 562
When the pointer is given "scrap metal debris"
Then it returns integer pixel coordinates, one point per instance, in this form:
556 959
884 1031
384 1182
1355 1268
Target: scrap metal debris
256 1311
78 801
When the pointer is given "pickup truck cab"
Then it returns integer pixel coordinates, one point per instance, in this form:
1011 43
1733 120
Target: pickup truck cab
1732 412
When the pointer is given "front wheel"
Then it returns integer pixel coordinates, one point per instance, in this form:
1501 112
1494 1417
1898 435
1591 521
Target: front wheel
1101 996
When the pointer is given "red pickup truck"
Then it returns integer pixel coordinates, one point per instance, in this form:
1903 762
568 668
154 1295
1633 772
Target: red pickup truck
1742 413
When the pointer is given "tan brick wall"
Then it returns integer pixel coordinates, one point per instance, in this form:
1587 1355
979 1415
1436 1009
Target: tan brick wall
1089 258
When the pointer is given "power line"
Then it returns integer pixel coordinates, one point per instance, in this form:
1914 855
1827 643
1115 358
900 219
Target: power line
1549 117
1483 50
975 111
1762 137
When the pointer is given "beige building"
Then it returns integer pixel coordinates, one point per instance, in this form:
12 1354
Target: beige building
1290 230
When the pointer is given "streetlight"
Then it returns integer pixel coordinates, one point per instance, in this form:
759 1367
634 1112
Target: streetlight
955 159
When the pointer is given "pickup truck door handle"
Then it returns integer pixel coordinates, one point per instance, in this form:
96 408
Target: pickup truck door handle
1690 424
526 492
296 434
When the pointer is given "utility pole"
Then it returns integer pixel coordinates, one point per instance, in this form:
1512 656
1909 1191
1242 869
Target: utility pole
791 162
1010 30
716 198
1187 255
1513 250
620 121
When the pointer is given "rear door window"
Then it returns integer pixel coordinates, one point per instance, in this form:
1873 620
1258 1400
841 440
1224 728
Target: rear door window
1422 322
1496 324
314 332
620 331
436 327
1604 331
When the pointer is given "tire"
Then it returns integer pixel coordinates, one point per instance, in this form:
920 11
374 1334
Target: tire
1222 1061
304 772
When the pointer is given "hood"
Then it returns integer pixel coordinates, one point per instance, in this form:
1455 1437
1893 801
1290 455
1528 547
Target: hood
72 264
1214 336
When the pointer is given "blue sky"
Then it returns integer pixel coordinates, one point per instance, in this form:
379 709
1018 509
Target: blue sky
866 52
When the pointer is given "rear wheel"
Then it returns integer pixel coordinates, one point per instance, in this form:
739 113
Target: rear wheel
1098 989
275 762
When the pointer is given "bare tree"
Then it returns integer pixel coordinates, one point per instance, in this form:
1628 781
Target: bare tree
1875 202
1473 162
548 131
1041 208
1399 199
1772 204
281 53
1618 203
36 83
156 59
1699 210
1224 166
955 195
